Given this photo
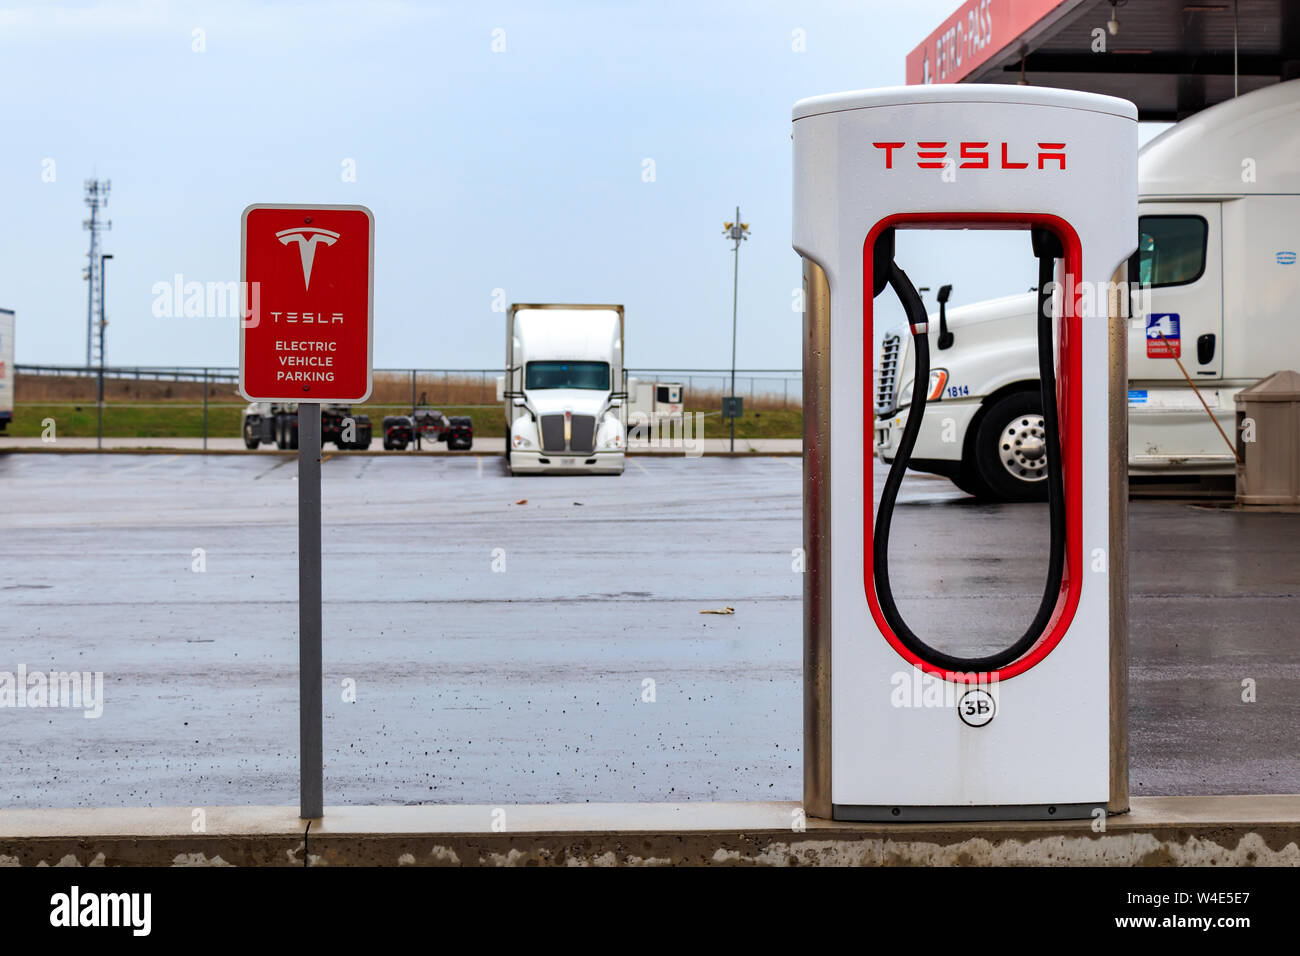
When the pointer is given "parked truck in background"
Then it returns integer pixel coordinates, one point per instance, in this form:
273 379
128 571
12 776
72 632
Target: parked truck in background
564 389
6 368
277 423
654 403
428 425
1218 215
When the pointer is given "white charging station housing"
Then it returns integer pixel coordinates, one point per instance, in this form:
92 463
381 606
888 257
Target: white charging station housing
964 156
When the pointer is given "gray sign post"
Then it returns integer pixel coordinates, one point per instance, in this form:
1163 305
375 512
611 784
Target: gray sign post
324 358
310 718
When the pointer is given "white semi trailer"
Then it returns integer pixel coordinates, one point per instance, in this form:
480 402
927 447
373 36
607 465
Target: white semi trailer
1218 208
656 404
564 389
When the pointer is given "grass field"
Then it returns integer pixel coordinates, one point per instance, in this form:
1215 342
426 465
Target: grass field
176 420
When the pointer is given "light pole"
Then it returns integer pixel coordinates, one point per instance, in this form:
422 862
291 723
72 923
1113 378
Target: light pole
97 191
737 232
103 286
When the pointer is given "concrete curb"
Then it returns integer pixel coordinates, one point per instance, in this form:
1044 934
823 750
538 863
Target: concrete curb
1159 831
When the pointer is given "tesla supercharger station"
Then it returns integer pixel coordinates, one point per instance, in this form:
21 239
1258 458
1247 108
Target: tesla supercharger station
1036 730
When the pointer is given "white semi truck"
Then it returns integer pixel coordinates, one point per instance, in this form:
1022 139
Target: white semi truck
564 389
6 368
1219 224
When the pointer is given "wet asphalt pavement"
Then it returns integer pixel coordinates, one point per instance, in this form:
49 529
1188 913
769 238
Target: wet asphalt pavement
553 650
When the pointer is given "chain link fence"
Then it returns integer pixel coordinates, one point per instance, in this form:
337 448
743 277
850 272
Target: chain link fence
194 401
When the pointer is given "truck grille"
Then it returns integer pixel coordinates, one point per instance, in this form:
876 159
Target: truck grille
582 435
553 433
887 373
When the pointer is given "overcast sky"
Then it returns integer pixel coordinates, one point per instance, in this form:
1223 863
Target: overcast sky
523 169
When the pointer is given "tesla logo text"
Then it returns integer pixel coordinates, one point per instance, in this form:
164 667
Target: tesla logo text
308 318
307 237
937 154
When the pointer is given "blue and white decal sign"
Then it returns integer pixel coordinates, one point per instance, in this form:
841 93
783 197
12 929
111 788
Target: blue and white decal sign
1163 336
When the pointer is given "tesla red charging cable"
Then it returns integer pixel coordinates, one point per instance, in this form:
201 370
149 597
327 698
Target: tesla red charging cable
1047 248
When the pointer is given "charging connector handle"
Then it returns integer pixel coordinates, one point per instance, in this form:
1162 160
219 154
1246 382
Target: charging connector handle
1047 248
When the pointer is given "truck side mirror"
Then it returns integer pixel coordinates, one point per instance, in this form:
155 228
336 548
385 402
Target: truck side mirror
518 403
882 256
1134 280
945 337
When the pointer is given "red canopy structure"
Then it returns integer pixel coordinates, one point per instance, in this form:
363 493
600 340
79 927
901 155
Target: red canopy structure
1170 57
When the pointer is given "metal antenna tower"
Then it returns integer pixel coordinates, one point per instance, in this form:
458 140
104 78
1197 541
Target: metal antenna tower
96 198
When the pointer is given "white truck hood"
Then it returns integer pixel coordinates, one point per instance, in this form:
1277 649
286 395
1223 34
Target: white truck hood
580 401
991 310
981 322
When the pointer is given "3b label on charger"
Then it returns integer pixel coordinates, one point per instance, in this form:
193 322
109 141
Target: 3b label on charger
976 708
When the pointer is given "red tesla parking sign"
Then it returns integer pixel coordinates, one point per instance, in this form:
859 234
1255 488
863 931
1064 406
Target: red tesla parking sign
308 275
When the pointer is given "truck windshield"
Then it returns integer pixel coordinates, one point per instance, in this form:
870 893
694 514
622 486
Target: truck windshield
567 375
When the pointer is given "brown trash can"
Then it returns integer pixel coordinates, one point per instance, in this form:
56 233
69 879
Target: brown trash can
1268 413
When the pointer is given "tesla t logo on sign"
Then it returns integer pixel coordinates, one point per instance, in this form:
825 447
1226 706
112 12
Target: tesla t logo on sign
308 303
307 239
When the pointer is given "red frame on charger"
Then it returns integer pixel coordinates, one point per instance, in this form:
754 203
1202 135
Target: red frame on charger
1069 403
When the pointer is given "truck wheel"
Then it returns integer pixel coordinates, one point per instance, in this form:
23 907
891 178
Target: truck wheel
1010 450
966 480
250 443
